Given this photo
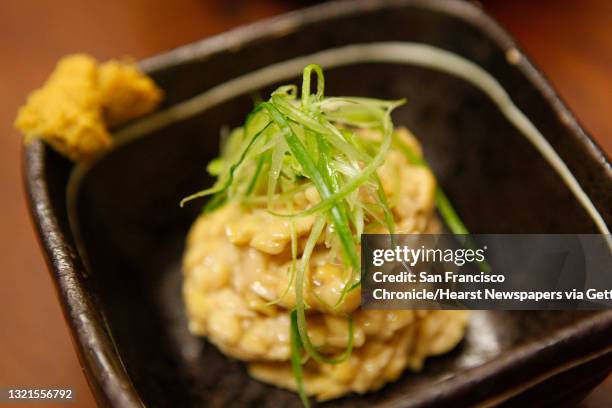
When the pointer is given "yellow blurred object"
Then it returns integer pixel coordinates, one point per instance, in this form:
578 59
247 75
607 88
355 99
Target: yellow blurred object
126 92
74 108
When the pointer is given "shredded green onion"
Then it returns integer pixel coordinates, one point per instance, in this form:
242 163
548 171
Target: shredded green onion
289 145
296 360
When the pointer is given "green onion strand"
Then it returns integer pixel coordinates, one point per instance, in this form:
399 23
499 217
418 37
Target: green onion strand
296 360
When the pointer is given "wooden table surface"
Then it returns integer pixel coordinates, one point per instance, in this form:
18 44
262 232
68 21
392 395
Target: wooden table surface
570 40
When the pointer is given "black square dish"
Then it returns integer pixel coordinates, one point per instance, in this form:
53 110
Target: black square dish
120 285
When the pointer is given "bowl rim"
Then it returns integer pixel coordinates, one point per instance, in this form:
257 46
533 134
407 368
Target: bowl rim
106 375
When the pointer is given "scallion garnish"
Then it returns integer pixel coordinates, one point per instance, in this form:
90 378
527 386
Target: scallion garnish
288 145
296 360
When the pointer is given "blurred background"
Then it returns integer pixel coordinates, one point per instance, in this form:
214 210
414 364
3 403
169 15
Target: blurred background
570 40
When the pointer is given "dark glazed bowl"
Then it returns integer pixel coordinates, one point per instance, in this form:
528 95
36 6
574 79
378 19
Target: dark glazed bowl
124 303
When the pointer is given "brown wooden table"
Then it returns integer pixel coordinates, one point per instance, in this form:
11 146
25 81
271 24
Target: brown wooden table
570 40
